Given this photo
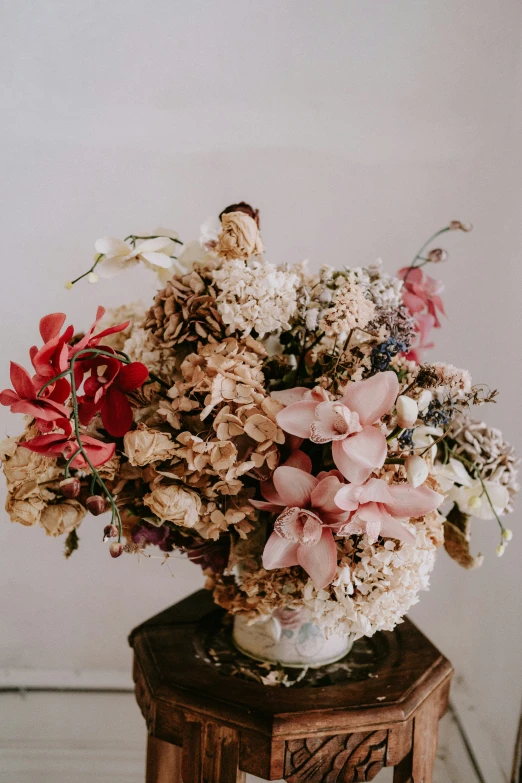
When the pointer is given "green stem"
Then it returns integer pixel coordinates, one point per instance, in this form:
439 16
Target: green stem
88 272
413 265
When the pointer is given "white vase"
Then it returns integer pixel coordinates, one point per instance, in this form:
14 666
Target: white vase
289 637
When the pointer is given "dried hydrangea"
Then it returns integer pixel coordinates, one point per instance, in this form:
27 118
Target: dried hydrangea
376 584
255 296
350 310
259 592
134 313
450 379
142 347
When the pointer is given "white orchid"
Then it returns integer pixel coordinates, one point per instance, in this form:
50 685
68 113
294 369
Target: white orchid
118 255
480 499
483 500
423 438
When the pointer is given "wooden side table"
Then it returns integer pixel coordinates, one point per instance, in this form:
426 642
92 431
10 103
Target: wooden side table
378 708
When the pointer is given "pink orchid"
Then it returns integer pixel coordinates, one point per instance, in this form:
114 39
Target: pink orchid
23 398
379 509
302 533
358 448
425 323
420 291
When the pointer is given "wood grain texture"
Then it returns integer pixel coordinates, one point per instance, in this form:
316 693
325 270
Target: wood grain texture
338 759
71 738
163 762
338 733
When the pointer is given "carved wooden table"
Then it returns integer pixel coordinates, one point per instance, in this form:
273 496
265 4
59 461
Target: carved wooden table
210 721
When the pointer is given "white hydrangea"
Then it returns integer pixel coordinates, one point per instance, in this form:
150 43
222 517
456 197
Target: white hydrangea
254 295
384 290
376 584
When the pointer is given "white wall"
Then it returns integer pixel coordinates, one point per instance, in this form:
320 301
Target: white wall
357 128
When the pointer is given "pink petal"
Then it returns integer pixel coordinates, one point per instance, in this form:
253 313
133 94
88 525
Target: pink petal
288 525
289 396
297 418
279 553
22 382
360 454
50 325
375 490
298 459
294 486
393 528
98 452
324 494
348 497
373 397
311 532
371 517
320 561
411 501
269 493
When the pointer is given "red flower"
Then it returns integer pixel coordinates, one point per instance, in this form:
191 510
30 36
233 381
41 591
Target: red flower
65 445
105 392
24 399
91 340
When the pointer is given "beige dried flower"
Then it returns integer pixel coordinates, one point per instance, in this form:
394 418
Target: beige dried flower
351 309
21 465
174 503
62 517
239 237
143 446
26 502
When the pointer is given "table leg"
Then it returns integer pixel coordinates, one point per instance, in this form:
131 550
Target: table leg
210 754
163 762
417 766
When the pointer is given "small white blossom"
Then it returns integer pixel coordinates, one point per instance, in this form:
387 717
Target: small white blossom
255 296
119 255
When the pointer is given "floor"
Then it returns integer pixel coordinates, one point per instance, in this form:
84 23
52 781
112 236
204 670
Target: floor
82 737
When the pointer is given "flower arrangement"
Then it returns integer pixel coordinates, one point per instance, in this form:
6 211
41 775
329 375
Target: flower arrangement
279 426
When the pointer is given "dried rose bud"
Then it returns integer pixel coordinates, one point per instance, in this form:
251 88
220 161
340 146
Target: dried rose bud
110 531
96 505
437 255
456 225
242 206
70 487
116 549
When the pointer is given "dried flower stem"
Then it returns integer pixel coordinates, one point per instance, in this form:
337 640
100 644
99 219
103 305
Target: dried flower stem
419 255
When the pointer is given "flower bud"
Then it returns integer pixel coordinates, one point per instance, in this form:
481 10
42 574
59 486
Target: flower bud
70 487
92 277
96 505
110 531
68 285
407 412
501 548
456 225
437 255
416 470
425 397
507 534
116 549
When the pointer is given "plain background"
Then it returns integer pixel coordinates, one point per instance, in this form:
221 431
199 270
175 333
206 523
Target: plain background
357 128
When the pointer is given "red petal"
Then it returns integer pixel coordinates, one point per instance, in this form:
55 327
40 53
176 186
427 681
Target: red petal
61 390
131 376
86 411
50 325
116 413
22 382
8 397
97 451
46 444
